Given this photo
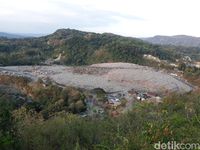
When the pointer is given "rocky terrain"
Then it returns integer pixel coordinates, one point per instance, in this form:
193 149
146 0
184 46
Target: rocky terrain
111 77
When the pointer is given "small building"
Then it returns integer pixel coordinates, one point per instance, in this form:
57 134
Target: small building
174 74
197 64
187 59
173 65
114 101
150 57
143 96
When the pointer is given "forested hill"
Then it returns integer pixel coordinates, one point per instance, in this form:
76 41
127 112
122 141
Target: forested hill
79 48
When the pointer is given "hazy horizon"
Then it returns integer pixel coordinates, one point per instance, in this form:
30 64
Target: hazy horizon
132 18
43 34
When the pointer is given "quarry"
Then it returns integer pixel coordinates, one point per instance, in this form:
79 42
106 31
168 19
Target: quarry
111 77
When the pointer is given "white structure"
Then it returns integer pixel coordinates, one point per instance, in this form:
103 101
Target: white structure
150 57
174 74
58 58
173 65
197 64
187 59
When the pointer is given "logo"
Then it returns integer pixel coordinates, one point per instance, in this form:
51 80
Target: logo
173 145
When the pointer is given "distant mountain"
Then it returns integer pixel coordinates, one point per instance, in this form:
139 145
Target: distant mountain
178 40
10 35
18 36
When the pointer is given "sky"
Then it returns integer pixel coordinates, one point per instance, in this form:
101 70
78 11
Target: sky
135 18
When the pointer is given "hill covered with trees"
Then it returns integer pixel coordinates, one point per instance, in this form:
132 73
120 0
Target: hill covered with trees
79 48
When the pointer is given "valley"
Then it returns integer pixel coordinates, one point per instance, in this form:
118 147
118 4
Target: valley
99 75
83 90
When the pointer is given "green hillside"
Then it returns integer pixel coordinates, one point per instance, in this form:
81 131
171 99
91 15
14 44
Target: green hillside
78 48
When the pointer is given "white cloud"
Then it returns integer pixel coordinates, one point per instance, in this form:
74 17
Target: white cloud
126 17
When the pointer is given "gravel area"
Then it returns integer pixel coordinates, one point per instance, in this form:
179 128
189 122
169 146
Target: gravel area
109 76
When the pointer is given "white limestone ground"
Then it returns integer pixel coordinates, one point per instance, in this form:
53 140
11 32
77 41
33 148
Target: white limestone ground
109 76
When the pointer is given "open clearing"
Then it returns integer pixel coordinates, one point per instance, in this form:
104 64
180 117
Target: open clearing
109 76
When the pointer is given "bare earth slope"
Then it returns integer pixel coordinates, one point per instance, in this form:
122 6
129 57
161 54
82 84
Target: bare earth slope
109 76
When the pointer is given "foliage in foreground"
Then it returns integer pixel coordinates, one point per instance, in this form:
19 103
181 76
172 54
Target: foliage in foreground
176 119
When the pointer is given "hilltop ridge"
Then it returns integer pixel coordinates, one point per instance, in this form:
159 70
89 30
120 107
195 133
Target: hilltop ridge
78 48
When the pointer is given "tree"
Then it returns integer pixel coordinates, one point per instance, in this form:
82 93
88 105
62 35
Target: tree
182 66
